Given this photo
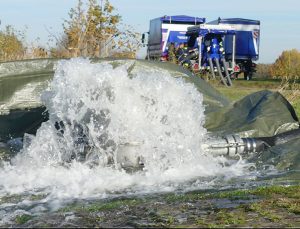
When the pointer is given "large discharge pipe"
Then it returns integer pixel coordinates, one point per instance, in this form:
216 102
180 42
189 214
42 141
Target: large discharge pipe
231 145
129 155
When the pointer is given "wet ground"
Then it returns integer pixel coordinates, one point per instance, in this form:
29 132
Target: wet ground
274 206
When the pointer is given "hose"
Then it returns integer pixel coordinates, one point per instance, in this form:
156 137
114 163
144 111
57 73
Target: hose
193 54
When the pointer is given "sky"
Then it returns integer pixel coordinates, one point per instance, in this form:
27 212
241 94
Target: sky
280 19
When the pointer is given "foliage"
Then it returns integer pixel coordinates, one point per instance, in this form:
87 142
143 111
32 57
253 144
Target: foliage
127 42
287 65
290 89
61 50
11 44
95 31
88 31
263 71
39 52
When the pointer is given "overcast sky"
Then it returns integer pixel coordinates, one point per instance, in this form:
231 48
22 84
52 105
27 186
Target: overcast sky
280 19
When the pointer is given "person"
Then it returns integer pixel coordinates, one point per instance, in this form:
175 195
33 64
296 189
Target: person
182 52
179 51
221 48
171 53
185 47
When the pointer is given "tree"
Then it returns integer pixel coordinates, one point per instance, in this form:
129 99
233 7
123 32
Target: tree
263 71
287 68
11 44
96 31
287 65
127 43
39 52
88 30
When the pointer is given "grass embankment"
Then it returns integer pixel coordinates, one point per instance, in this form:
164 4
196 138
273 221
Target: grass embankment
241 88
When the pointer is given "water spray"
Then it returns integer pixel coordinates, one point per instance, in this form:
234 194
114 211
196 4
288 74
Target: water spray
128 154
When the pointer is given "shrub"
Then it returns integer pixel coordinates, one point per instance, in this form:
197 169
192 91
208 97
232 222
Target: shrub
287 65
11 44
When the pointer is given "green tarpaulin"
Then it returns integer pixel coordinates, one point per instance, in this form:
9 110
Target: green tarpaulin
263 113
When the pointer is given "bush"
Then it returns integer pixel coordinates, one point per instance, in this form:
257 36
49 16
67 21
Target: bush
88 32
96 31
263 71
11 44
287 65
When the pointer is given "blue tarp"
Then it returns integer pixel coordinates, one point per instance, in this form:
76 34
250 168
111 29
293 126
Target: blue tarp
242 21
203 32
182 19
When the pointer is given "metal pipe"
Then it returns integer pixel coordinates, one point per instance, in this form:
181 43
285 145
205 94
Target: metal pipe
220 71
200 52
211 67
231 145
229 82
233 51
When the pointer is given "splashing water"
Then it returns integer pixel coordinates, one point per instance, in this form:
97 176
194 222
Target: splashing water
98 111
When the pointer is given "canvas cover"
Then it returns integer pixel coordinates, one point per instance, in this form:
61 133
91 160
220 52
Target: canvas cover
263 113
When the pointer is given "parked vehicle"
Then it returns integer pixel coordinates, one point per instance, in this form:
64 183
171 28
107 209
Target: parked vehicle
226 46
168 29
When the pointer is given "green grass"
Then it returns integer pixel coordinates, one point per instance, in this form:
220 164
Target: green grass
272 206
296 105
270 191
101 206
111 205
21 219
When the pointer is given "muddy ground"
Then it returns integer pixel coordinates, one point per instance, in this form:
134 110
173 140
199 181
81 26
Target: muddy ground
275 206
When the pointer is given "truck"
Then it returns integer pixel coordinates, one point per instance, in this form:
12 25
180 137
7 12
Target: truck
238 38
165 30
232 42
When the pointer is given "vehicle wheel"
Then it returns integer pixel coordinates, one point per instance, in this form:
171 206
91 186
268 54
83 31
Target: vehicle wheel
234 75
250 74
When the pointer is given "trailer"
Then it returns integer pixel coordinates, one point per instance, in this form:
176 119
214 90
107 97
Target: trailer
168 29
246 39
